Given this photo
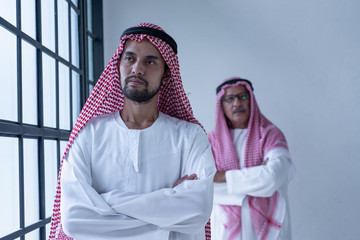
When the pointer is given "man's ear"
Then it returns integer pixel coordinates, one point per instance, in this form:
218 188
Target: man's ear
167 75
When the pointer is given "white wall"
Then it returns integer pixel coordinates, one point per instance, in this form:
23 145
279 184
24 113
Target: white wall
303 58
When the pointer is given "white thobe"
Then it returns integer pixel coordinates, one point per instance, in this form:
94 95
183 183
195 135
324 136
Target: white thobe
116 183
258 181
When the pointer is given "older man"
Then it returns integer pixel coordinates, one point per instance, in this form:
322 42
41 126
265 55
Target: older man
253 168
139 165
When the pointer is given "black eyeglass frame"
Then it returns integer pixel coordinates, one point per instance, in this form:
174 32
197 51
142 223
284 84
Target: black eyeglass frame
231 98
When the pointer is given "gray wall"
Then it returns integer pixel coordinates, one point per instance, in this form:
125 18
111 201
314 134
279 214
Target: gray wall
303 58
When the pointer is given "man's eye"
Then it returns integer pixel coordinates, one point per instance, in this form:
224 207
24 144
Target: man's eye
229 98
150 62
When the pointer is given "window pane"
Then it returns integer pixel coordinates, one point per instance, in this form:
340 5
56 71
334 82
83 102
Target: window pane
8 79
8 11
75 59
9 177
89 16
75 2
90 88
48 24
29 83
90 59
64 97
31 181
28 17
49 91
50 163
63 29
47 229
76 101
34 235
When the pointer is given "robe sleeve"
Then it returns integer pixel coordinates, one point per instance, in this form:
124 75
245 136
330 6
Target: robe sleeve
260 181
185 208
84 213
222 196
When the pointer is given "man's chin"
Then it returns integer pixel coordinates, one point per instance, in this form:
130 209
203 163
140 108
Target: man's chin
138 97
239 118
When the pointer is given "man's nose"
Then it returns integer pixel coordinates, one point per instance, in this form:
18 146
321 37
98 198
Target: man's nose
236 101
138 68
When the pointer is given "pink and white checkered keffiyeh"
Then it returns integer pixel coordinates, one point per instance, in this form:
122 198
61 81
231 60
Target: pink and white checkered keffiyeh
261 137
107 97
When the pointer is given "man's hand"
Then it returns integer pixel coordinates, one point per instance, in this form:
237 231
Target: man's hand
220 177
265 162
186 177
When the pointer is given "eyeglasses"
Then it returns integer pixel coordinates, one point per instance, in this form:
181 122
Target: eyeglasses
231 98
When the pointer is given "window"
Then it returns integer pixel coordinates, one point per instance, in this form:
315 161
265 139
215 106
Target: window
95 44
52 54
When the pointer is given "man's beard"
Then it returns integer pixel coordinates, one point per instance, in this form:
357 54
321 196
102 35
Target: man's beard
140 96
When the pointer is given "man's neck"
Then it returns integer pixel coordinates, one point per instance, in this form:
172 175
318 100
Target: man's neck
139 115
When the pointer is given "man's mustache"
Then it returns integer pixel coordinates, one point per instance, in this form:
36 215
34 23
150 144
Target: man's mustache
238 109
128 78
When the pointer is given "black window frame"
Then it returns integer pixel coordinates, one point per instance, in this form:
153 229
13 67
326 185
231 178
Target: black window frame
18 129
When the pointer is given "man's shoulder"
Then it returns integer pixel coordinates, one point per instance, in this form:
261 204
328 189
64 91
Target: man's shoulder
179 124
183 131
100 121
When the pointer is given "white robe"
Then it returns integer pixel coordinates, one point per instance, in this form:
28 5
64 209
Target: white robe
258 181
116 182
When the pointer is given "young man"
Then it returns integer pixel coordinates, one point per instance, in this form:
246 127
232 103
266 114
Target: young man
253 169
139 165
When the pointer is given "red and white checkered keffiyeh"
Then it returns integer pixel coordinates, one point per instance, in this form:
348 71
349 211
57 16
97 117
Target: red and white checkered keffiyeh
107 97
261 137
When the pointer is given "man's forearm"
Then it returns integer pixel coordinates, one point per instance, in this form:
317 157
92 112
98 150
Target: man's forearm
189 203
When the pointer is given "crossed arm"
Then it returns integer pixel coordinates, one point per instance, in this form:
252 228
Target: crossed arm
220 176
258 181
87 214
